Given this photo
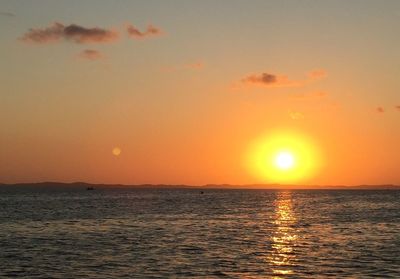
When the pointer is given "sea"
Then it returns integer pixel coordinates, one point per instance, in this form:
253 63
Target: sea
53 232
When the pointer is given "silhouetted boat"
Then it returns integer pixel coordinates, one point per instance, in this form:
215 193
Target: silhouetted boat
89 188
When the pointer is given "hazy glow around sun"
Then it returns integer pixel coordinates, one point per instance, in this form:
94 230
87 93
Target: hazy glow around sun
283 157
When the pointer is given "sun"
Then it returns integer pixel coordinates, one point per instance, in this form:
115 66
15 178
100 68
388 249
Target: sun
283 157
284 160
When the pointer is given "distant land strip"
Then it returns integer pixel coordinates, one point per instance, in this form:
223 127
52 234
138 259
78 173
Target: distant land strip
85 185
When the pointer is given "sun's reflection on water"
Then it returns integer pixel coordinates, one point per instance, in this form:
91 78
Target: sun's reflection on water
284 236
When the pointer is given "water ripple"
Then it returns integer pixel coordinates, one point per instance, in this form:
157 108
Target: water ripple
182 233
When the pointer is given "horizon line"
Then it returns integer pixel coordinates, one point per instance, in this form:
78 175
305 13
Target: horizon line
212 185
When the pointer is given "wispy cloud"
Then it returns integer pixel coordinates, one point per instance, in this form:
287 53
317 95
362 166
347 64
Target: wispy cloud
380 110
73 33
49 34
270 80
90 54
397 107
317 74
296 115
7 14
274 80
151 31
195 66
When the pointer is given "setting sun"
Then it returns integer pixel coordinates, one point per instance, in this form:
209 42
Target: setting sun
283 157
284 160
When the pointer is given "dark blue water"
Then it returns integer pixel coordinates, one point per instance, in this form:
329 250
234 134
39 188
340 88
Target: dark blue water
145 233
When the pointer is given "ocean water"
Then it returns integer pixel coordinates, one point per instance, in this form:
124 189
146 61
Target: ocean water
182 233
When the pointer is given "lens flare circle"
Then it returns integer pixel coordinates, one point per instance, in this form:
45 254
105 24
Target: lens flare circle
116 151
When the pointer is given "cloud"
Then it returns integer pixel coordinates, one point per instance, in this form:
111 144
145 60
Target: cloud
263 78
380 110
150 31
195 66
46 35
90 54
274 80
317 74
80 34
397 107
295 115
270 80
7 14
73 32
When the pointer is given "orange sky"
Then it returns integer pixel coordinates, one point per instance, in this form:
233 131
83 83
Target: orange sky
177 93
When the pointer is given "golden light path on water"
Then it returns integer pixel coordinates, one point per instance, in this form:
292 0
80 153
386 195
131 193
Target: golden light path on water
284 237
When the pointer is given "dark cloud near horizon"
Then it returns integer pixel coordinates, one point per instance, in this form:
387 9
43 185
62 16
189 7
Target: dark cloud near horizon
8 14
273 80
380 109
267 78
73 32
264 78
149 32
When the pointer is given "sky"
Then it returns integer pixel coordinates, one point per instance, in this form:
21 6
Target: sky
188 92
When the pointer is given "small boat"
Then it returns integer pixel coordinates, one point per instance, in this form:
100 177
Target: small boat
89 188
